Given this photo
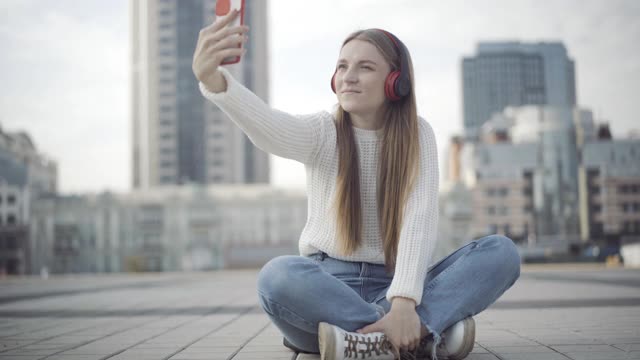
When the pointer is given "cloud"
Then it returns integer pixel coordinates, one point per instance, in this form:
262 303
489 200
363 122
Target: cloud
65 76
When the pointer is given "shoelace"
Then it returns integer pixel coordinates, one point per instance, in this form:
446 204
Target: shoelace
382 346
379 345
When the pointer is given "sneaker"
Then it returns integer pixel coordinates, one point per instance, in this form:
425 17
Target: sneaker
336 343
297 350
305 356
457 341
289 345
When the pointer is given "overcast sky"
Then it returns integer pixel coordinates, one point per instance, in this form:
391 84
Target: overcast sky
65 71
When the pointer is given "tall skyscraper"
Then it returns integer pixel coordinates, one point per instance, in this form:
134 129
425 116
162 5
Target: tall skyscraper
178 136
514 73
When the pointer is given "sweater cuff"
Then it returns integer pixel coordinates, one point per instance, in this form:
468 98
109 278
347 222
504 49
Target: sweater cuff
223 95
411 290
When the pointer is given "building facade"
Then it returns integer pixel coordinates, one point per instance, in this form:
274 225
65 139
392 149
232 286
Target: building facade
170 228
551 180
522 172
25 175
505 74
610 189
178 136
501 183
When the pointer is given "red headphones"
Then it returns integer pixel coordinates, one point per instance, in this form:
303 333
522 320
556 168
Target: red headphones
398 84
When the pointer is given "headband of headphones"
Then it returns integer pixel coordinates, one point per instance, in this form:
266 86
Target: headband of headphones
398 84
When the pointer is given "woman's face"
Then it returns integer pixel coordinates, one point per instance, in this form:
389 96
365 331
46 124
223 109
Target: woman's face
360 75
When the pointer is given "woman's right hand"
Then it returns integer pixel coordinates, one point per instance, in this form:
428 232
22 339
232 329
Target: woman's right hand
215 43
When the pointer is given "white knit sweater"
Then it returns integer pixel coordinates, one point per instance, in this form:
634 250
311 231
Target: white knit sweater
311 140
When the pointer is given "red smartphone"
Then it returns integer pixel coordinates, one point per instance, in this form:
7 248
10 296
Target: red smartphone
224 7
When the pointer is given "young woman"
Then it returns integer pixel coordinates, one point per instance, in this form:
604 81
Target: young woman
364 285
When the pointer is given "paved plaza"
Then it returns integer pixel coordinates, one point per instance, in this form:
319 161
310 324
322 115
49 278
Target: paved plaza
581 312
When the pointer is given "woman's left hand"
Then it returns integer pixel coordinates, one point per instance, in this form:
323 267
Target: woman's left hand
401 325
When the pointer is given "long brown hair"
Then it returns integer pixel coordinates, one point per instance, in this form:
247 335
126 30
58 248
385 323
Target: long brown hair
397 165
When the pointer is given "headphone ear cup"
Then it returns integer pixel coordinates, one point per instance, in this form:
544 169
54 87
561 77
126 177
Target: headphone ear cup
333 84
402 87
390 86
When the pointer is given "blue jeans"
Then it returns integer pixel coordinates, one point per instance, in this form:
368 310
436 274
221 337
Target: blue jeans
298 292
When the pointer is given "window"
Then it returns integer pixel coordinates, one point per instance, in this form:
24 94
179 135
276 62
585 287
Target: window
490 192
631 227
11 219
593 172
504 191
11 199
596 208
597 228
626 207
623 189
11 243
491 210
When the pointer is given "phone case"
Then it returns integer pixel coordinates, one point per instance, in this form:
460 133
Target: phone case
223 7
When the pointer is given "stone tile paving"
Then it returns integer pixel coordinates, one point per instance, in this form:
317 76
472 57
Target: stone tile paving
553 312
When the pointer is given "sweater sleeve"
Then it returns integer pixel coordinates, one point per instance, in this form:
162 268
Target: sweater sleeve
419 226
271 130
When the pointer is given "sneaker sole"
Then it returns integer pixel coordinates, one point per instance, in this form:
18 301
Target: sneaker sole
327 347
469 333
